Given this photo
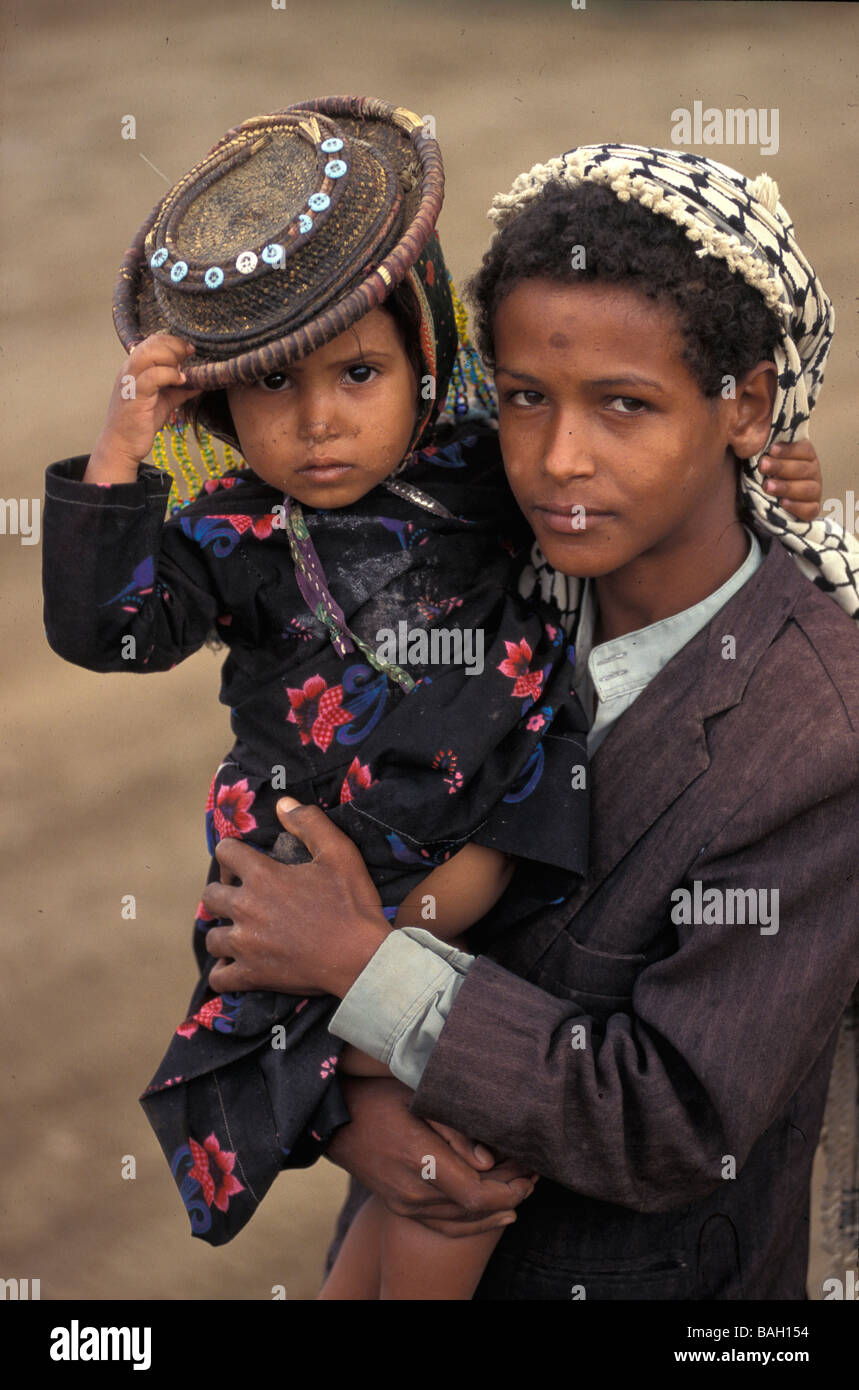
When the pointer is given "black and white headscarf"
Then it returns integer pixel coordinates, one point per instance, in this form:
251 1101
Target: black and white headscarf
742 222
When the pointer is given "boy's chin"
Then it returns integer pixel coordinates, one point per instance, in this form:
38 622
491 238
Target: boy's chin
580 557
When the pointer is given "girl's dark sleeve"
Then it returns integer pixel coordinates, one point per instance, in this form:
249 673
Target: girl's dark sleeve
123 590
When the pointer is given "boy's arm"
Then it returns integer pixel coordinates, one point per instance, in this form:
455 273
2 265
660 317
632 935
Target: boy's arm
794 477
638 1106
640 1109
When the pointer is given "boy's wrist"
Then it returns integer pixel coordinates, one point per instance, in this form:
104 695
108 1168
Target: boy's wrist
368 937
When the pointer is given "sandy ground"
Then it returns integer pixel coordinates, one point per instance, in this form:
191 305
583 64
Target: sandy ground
106 776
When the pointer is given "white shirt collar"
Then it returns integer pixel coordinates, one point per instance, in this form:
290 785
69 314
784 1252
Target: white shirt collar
616 672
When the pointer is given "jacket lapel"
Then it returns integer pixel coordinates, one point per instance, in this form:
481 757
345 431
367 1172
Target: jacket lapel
658 747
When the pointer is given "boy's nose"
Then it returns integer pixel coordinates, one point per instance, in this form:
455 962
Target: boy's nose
567 454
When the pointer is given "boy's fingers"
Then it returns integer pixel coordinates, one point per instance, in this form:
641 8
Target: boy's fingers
790 467
803 511
477 1155
311 826
479 1196
803 490
793 449
453 1229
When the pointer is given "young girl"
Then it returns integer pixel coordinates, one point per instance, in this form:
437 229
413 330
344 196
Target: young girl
295 272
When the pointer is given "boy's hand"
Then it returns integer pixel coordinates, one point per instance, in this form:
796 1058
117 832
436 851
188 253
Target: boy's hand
794 477
385 1147
146 392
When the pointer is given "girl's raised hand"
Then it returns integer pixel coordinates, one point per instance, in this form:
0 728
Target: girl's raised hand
794 477
147 390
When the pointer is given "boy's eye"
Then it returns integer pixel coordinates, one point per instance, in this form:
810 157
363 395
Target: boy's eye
631 405
524 397
361 373
275 381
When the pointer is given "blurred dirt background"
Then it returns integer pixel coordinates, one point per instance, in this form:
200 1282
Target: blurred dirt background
106 776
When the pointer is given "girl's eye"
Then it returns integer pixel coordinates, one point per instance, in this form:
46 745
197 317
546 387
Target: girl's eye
359 374
275 381
524 397
635 405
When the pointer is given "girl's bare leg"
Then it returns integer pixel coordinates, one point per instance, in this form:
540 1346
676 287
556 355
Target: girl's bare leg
356 1273
389 1257
392 1258
421 1264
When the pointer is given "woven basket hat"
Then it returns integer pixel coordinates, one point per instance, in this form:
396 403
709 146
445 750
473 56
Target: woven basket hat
295 225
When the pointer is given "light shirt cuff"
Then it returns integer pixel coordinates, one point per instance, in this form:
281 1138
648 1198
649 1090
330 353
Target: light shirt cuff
400 1002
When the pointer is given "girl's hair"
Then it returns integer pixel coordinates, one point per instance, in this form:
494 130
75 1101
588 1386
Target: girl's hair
211 412
726 325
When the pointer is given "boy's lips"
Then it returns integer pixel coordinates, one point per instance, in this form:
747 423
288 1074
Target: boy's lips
572 518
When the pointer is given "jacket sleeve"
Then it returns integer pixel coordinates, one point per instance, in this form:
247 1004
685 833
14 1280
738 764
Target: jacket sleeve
641 1108
123 591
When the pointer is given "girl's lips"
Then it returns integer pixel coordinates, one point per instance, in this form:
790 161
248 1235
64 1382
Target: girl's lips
325 471
572 520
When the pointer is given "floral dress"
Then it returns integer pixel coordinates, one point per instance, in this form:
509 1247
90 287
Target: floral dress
412 766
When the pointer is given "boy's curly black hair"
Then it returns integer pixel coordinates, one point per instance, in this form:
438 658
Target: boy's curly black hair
210 411
726 325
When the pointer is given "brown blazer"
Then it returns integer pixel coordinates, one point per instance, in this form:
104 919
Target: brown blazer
676 1145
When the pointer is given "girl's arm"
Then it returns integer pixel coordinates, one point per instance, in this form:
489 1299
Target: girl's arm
146 392
124 592
458 893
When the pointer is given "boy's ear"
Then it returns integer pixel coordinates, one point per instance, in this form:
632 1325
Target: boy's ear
753 410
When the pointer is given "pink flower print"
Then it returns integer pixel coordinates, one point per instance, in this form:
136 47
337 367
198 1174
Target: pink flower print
213 1170
358 778
516 665
317 711
445 761
328 1068
205 1018
238 522
262 527
536 722
232 810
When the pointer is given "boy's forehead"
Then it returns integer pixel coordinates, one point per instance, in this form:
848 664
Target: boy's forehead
596 315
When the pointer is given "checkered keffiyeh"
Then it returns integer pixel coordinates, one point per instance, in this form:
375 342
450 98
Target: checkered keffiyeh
743 222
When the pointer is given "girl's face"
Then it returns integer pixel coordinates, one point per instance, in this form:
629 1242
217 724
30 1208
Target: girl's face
615 456
330 428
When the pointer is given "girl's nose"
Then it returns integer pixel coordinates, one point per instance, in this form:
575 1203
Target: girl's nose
317 413
314 430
